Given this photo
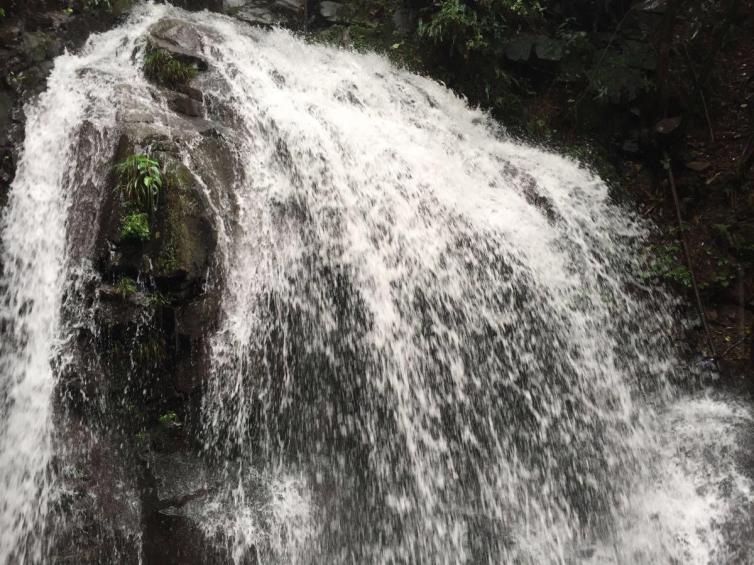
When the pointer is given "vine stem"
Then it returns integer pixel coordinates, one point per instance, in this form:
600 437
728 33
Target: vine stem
687 254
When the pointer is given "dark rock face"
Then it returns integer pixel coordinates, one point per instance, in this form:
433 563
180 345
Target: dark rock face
139 363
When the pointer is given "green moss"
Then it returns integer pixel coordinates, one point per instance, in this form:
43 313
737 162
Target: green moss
162 68
175 236
135 227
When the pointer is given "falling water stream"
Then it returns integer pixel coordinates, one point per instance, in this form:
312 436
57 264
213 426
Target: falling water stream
433 344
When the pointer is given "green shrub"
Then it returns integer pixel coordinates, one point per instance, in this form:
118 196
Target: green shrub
164 69
456 24
664 262
474 27
139 181
135 227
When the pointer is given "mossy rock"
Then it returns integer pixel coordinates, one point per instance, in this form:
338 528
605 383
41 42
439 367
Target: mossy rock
181 232
185 238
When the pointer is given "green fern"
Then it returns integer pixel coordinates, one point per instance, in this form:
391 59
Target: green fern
139 181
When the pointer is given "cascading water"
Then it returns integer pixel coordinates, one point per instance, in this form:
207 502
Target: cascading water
44 246
34 263
432 345
440 329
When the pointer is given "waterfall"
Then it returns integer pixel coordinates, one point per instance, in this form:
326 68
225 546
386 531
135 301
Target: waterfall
43 246
34 262
433 345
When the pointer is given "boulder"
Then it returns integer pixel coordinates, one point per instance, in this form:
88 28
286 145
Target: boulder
268 13
180 39
331 11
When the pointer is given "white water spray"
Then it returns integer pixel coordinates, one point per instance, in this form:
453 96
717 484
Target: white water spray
439 327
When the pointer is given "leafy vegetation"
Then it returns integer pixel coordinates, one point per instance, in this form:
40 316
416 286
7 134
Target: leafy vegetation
135 227
169 418
664 262
125 287
475 28
88 6
156 299
139 181
164 69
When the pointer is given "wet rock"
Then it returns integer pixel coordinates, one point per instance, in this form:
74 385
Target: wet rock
179 477
180 39
404 21
331 11
186 105
194 324
191 92
185 237
268 13
175 529
698 166
6 108
668 125
39 46
46 21
100 501
172 538
9 36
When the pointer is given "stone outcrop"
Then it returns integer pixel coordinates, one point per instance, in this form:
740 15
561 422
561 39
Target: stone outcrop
140 362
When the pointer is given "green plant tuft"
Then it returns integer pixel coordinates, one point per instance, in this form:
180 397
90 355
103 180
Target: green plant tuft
139 181
157 299
125 286
169 418
135 227
164 69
